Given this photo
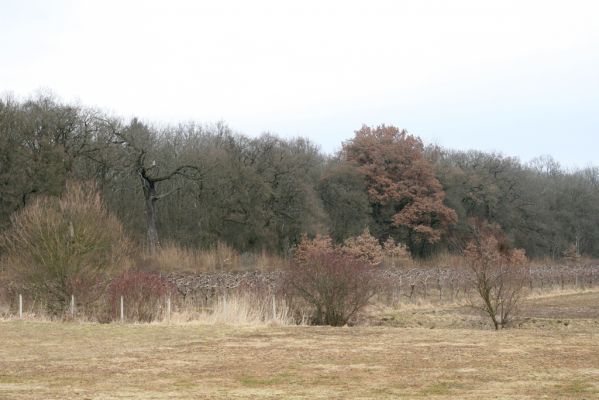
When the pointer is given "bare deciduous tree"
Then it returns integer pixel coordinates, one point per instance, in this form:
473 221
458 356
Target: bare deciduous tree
137 139
497 275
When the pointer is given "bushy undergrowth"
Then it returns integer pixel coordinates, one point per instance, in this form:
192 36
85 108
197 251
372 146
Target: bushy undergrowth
58 247
364 247
334 286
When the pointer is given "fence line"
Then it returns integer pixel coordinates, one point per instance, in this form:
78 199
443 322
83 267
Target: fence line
395 285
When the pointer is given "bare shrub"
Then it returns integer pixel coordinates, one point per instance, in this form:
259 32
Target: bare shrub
56 248
334 286
144 294
497 274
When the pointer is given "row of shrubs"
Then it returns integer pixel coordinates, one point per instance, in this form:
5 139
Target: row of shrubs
72 246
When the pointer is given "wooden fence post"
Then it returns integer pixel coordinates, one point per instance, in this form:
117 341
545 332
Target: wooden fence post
122 310
20 306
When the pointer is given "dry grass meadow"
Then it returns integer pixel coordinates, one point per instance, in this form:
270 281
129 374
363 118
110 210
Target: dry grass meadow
416 352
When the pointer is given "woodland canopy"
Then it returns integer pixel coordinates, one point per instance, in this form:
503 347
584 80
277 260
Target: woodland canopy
197 185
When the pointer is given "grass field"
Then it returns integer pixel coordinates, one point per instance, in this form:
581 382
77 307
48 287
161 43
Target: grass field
541 359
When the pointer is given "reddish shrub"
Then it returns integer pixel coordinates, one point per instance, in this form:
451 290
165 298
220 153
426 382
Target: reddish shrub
144 295
334 286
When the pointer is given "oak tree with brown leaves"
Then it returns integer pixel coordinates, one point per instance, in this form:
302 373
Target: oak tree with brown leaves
402 186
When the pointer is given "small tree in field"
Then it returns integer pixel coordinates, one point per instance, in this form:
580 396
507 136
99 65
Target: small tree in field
61 247
497 275
335 286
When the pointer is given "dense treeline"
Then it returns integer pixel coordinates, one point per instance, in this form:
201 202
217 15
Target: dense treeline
196 185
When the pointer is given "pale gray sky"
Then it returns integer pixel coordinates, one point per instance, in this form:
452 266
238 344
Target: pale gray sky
520 77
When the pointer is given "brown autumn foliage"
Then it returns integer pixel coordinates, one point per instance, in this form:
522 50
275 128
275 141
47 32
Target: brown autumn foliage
308 246
364 247
398 176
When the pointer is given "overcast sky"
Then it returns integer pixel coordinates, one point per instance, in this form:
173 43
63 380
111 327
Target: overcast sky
519 77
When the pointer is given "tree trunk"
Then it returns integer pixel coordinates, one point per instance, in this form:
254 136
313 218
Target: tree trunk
150 198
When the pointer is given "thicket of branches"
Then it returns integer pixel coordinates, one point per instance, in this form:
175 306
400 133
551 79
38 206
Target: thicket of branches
59 247
498 274
197 185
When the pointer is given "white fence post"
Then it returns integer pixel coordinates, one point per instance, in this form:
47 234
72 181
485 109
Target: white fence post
72 306
122 310
20 306
168 309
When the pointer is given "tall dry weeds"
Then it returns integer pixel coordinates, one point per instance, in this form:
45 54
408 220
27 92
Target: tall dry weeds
222 257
